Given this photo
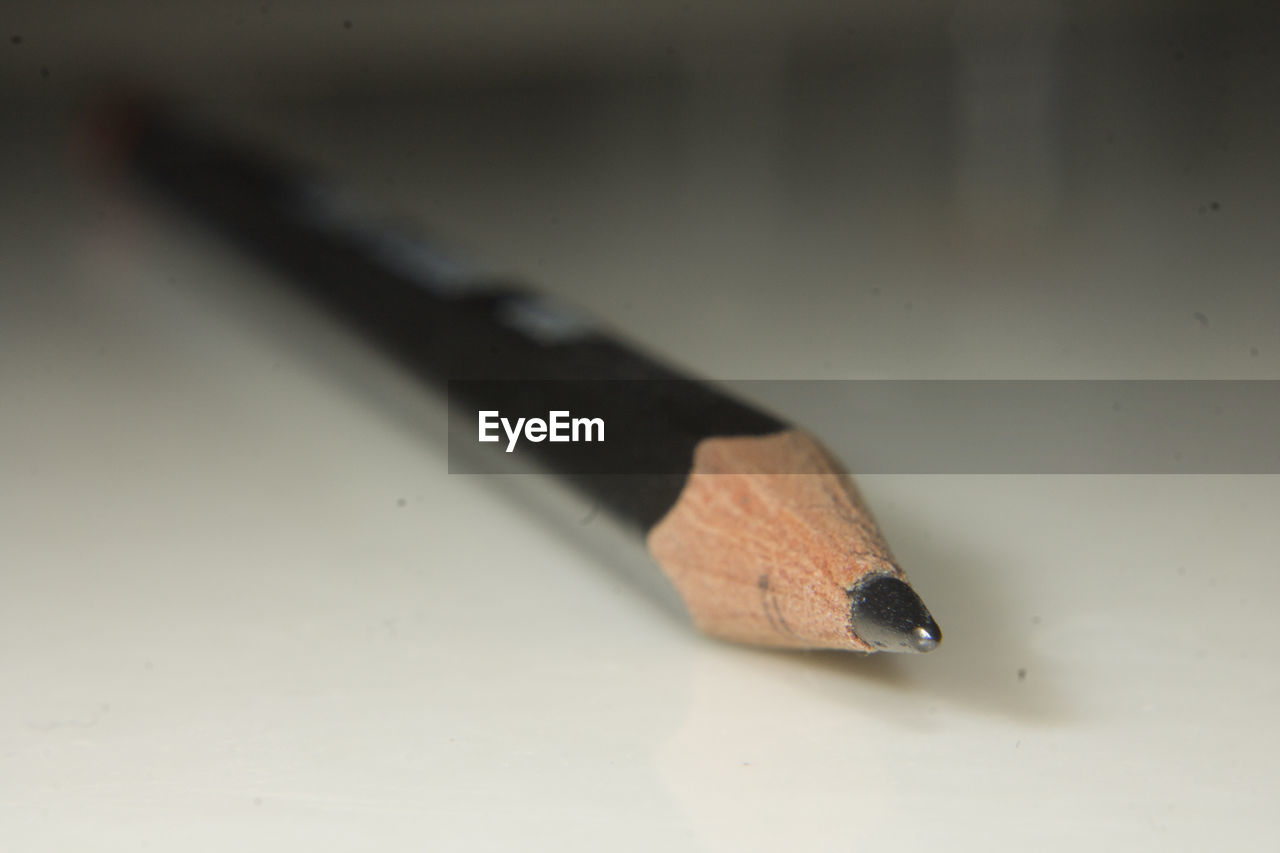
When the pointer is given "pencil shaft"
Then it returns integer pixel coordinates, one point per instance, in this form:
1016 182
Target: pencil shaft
445 325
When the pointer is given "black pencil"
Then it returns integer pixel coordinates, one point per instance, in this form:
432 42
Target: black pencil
755 523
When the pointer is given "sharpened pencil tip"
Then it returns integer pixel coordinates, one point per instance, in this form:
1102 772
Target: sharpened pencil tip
886 613
925 640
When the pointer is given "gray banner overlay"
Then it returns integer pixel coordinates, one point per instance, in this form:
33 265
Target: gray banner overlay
926 426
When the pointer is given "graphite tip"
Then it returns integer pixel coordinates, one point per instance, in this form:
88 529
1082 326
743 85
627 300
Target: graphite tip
886 614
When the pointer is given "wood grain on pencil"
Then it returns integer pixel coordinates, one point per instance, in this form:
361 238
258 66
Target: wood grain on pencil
771 558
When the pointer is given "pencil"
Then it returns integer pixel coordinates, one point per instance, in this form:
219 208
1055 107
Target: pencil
755 523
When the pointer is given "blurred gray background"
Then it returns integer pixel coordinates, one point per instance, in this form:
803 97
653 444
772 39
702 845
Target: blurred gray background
856 170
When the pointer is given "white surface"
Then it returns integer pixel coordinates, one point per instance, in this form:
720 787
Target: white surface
245 607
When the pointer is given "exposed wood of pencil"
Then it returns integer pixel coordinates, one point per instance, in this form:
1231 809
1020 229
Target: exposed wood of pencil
768 558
